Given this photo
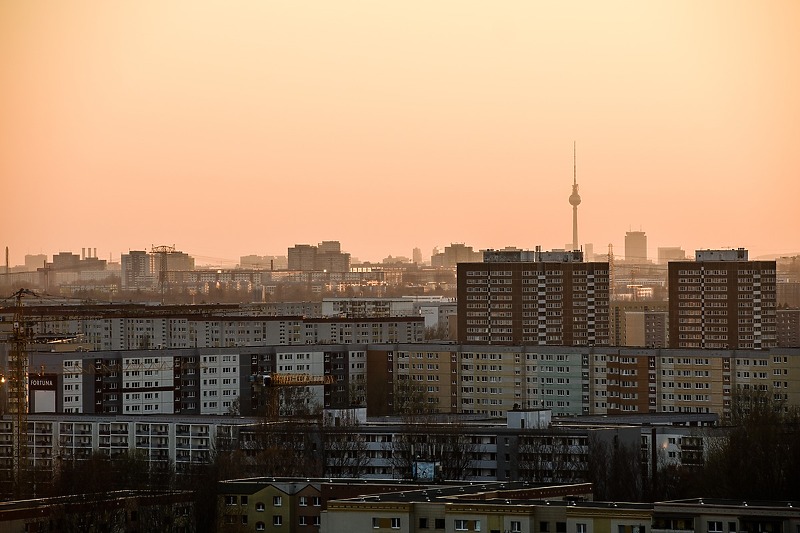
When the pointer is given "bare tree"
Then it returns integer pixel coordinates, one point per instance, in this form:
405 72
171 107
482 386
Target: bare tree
410 398
287 448
615 470
443 442
345 448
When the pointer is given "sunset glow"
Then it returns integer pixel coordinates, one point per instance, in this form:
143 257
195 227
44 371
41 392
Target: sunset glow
236 128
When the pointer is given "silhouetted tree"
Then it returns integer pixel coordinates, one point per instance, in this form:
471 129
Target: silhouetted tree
760 456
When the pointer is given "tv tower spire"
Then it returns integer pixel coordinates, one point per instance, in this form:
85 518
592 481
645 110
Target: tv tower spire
574 199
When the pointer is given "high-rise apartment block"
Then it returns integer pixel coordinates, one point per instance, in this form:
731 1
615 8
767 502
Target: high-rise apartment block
137 270
722 301
546 302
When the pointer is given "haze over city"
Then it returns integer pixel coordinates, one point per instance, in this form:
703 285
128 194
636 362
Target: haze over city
236 129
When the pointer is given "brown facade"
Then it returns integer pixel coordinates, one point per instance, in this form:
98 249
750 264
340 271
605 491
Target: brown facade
630 384
788 328
525 303
722 304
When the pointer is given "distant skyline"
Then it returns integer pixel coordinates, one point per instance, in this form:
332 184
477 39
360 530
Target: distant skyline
236 129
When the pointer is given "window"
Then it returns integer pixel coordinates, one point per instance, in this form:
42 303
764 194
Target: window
260 507
438 523
303 501
261 526
423 523
561 527
580 528
544 527
316 520
395 523
230 500
244 519
316 501
376 523
303 521
244 500
516 526
277 501
277 520
714 527
477 525
460 525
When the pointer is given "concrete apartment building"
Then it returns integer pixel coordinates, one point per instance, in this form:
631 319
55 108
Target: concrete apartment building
557 300
649 323
136 327
367 307
327 257
646 328
788 327
482 380
722 301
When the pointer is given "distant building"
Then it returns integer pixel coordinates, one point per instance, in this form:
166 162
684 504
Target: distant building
327 257
788 293
302 257
635 247
508 255
367 307
646 328
671 253
417 256
722 301
621 310
137 270
454 254
32 262
788 328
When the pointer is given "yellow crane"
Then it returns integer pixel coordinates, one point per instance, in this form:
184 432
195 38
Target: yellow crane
268 385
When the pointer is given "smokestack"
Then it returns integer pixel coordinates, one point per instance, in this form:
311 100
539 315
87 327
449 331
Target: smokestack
95 253
7 265
271 263
83 254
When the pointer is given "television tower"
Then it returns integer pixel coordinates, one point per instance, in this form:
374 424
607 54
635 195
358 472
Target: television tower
574 200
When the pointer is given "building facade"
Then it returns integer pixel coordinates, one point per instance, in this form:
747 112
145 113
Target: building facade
533 303
635 247
722 301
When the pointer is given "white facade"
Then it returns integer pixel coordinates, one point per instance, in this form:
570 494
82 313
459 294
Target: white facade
147 385
219 383
72 386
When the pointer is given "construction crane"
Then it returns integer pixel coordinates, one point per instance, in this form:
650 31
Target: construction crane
269 385
18 386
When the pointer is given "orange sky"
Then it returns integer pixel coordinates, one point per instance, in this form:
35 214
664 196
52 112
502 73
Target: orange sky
231 128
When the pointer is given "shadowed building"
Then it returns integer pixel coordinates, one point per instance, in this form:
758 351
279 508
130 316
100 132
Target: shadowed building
558 300
721 300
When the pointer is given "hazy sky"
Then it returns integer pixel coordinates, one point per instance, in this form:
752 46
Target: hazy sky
231 128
